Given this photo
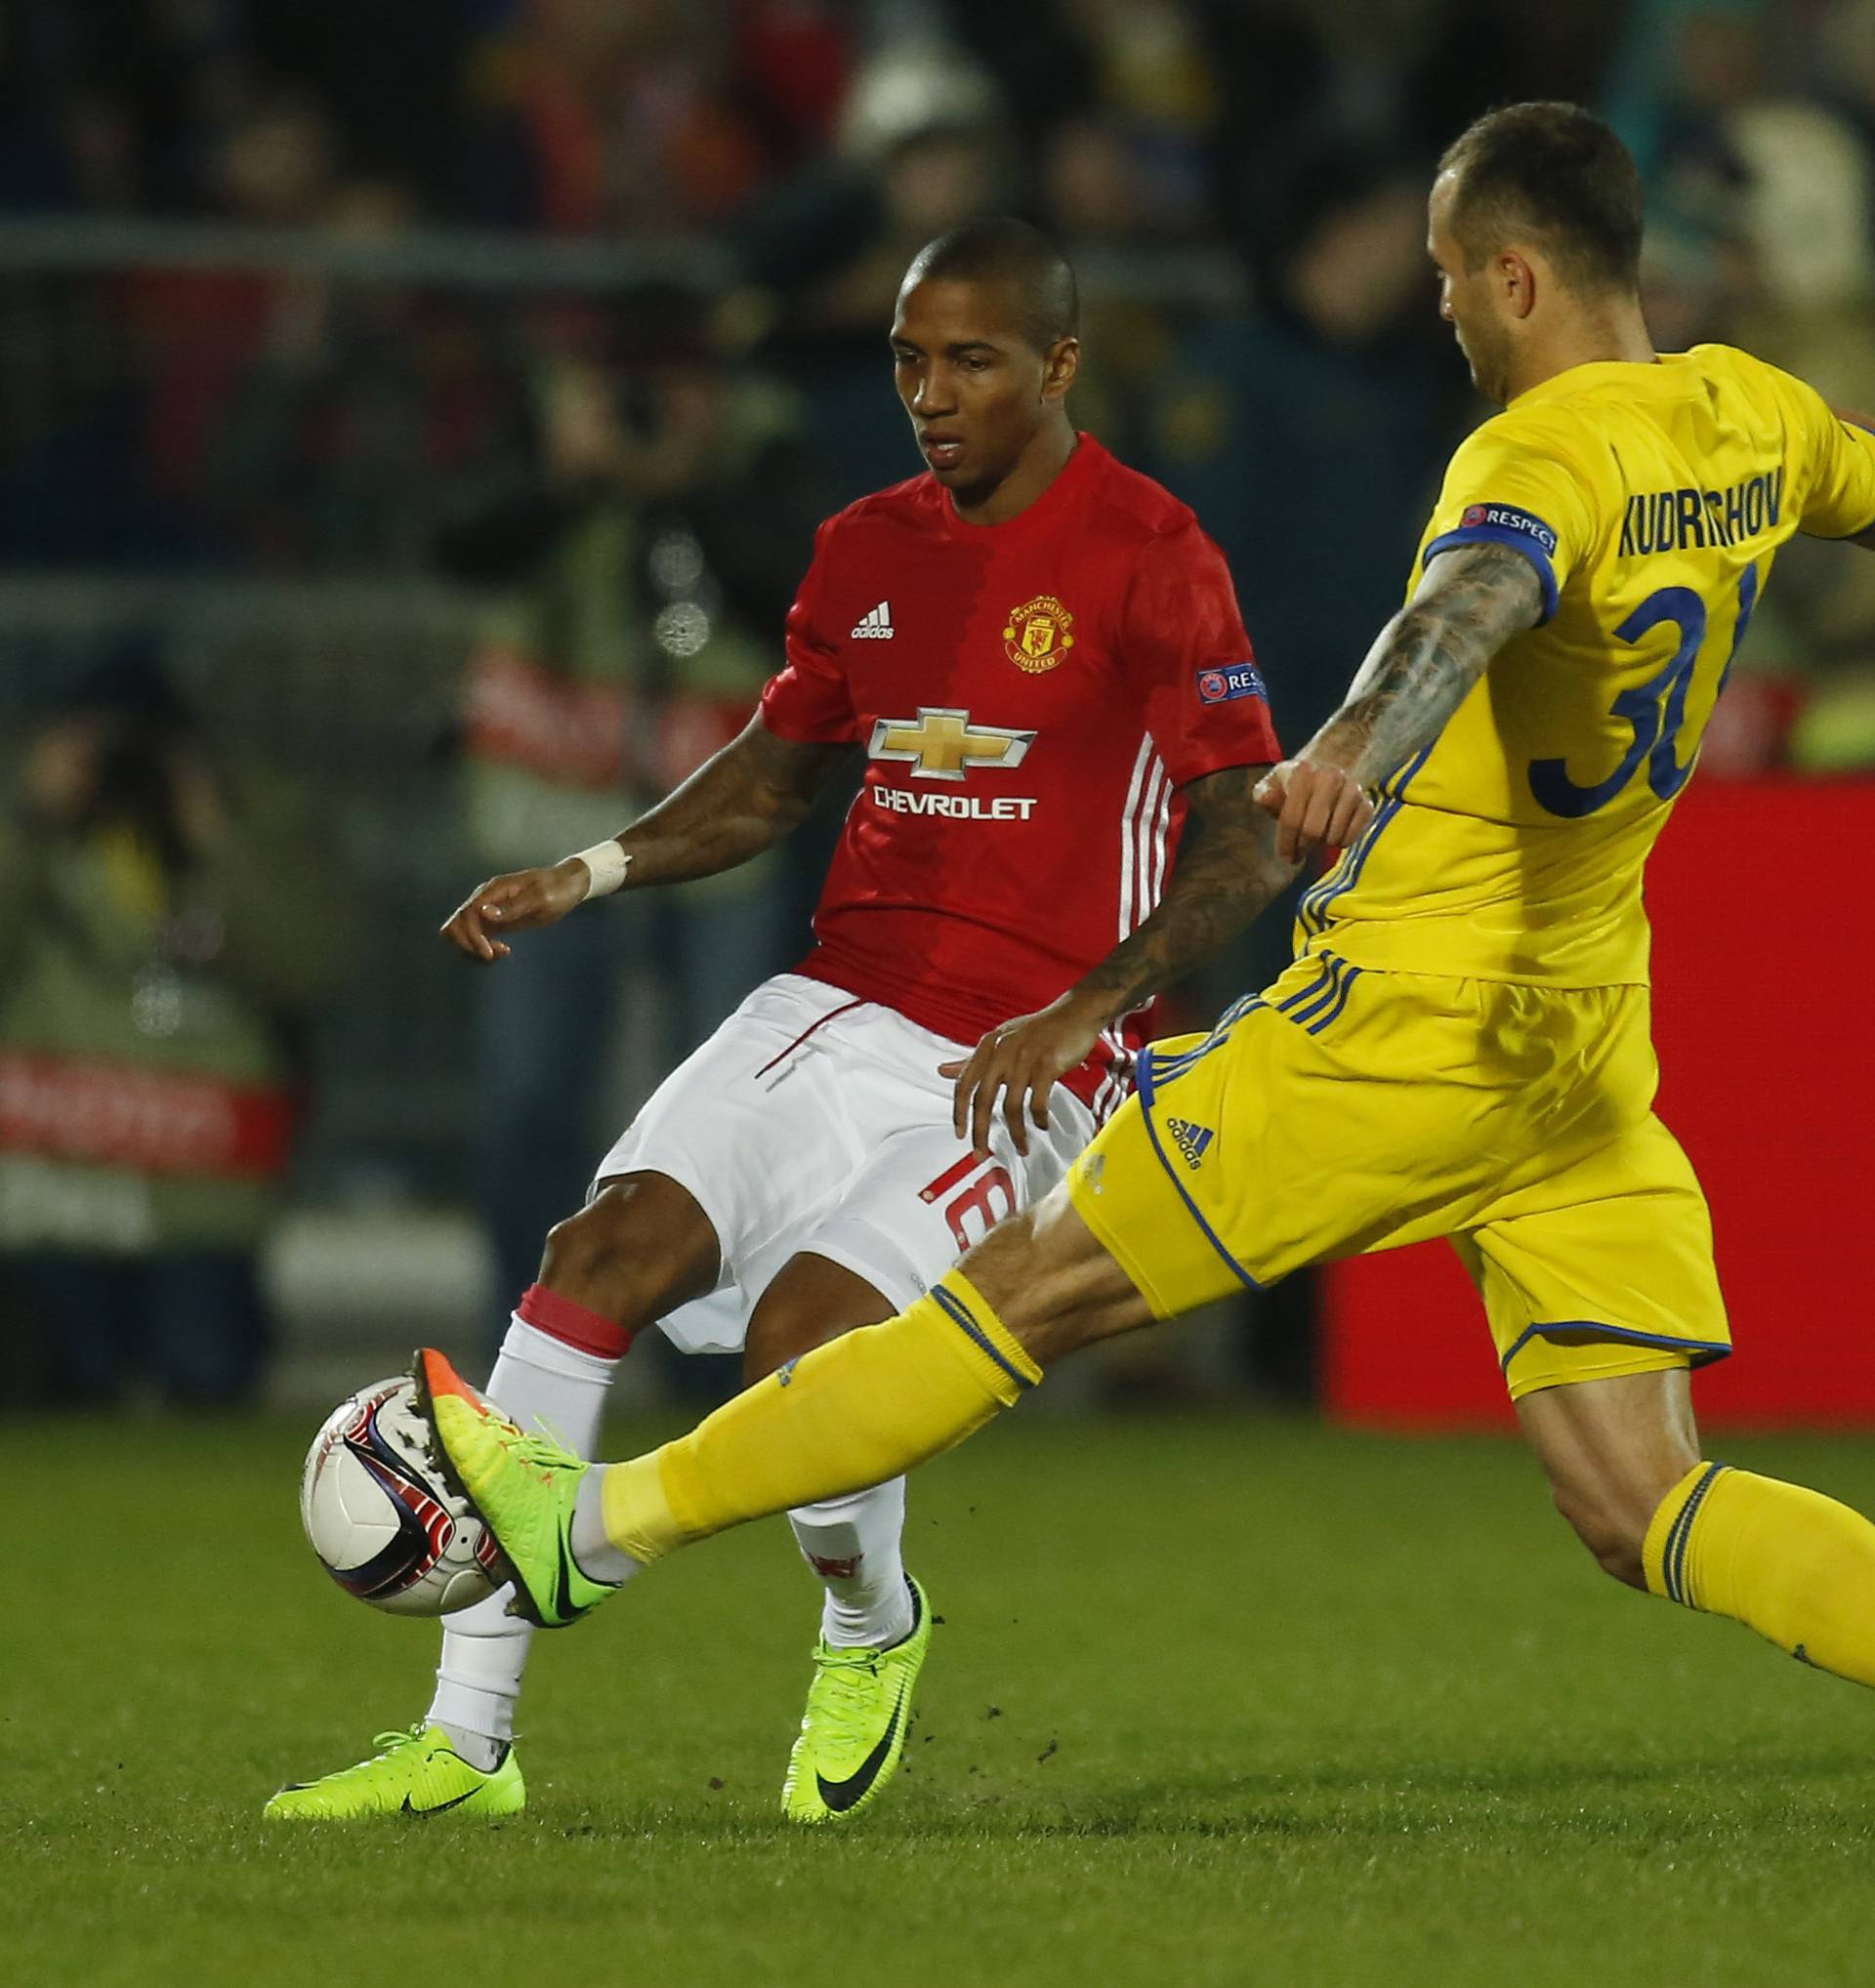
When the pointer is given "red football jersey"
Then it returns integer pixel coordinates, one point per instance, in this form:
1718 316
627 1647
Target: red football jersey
1030 696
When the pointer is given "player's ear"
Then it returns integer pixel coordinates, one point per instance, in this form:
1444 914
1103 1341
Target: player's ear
1059 364
1517 282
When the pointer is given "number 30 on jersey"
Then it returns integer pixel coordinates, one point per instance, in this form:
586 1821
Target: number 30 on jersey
1654 710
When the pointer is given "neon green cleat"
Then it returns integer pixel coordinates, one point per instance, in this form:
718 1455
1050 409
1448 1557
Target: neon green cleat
523 1488
418 1773
854 1729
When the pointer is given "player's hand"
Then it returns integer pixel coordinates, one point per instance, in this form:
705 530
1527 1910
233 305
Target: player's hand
1021 1061
1315 807
513 903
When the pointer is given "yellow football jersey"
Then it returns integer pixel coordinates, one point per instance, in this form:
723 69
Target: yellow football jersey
1651 500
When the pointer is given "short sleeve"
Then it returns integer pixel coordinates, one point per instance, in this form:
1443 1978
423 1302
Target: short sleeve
1183 640
1510 486
1838 468
809 700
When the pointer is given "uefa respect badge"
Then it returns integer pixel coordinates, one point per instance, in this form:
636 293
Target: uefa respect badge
1233 679
1509 517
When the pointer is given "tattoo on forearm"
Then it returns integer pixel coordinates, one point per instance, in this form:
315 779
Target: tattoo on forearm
1225 873
1471 600
734 806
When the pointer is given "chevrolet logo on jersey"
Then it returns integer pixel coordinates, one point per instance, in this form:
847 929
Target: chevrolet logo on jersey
944 745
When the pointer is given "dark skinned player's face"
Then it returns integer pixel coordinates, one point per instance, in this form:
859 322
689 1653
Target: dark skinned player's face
977 390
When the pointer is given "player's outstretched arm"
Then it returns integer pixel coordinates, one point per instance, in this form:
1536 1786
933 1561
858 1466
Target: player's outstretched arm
1862 423
1226 871
742 801
1470 602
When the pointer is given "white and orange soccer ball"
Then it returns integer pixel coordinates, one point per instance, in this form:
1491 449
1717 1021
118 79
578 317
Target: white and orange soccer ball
382 1520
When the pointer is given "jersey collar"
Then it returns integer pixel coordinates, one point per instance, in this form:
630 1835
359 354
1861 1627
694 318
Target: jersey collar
1074 472
1664 376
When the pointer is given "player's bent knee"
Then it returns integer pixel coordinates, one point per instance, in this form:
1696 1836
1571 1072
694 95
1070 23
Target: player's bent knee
639 1247
1053 1283
1612 1536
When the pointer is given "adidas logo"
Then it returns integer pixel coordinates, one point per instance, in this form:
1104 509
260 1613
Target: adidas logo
1191 1140
876 626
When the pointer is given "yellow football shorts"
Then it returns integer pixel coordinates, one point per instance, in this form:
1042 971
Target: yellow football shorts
1341 1111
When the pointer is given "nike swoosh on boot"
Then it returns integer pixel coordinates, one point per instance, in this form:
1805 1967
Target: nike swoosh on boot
840 1795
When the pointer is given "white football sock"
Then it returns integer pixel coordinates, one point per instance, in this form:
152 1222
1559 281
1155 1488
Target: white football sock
592 1543
484 1649
853 1543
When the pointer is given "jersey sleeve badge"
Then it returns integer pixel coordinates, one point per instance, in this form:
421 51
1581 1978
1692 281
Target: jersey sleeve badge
1236 680
1509 517
1039 635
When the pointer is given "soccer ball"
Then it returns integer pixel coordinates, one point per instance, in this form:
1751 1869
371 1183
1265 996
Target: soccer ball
386 1528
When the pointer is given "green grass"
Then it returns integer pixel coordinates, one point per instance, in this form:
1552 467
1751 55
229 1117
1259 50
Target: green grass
1215 1701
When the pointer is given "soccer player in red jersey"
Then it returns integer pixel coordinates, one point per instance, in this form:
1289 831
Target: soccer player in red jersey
1040 655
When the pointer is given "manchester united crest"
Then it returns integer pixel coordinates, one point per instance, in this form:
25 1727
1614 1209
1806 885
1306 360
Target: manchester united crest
1039 634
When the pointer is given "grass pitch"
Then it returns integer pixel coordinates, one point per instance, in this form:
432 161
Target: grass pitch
1215 1701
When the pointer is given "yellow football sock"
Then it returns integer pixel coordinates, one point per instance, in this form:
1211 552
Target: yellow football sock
1794 1565
855 1412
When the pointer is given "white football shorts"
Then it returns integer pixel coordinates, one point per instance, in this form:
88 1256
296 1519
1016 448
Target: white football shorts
811 1120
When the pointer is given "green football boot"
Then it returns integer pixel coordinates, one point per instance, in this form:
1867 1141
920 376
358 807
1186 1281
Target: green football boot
853 1732
418 1773
522 1487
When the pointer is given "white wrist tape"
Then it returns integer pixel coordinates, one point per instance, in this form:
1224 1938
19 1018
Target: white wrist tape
606 864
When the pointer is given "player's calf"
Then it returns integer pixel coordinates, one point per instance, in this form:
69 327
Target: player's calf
1614 1537
1788 1562
1612 1450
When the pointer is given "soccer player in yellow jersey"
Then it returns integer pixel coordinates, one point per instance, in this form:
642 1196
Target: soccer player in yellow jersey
1461 1048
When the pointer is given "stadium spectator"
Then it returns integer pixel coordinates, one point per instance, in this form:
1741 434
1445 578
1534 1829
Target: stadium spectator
1104 206
609 116
1308 436
176 920
392 80
201 328
41 155
647 542
363 404
1773 190
794 61
924 143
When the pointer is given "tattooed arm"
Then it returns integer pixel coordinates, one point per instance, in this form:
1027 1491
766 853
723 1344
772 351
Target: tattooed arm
1469 603
739 802
1226 871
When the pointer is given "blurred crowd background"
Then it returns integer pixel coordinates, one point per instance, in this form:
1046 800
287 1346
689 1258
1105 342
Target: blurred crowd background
413 422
